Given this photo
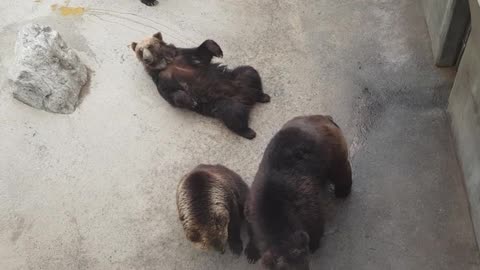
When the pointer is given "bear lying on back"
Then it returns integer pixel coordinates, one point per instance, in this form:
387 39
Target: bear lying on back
284 208
187 79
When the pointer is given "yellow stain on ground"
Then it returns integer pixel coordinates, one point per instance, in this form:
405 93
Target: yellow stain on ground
68 11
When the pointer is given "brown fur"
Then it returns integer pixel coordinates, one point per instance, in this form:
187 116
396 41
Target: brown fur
284 209
210 202
187 79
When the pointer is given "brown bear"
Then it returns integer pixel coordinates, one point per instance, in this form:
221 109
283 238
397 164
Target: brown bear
186 78
210 202
284 207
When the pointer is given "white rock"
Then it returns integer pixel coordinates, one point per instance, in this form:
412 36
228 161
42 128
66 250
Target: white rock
47 74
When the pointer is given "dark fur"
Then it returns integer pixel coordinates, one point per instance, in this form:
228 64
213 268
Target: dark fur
284 209
191 82
206 188
149 2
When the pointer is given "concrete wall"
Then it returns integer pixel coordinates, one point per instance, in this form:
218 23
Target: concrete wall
447 22
464 108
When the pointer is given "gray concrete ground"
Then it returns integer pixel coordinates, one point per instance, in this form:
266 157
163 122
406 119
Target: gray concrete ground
96 189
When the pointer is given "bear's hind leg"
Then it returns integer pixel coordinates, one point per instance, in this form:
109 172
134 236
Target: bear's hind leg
341 177
249 76
315 234
235 116
264 98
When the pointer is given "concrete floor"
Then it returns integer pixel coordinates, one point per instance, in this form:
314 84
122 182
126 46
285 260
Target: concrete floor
96 189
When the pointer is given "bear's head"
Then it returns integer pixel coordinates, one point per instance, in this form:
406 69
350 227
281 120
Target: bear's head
211 235
154 53
293 254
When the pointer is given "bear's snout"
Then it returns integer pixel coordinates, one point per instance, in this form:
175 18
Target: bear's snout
147 57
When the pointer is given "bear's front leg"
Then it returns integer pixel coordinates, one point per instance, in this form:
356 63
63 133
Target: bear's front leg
251 251
234 231
207 50
183 100
211 47
173 92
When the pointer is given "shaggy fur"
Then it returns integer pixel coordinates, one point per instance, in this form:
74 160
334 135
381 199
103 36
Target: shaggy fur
210 202
284 209
186 79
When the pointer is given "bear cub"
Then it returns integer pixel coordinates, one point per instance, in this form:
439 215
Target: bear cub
210 202
186 78
284 207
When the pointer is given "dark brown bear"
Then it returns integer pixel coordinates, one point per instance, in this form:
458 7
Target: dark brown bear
210 202
284 208
186 79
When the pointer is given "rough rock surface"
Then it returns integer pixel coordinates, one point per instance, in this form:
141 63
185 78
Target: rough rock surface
47 74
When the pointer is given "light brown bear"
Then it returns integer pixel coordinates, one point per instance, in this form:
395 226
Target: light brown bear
210 201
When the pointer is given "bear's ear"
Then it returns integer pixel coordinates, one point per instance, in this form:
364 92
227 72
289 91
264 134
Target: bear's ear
134 46
158 36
